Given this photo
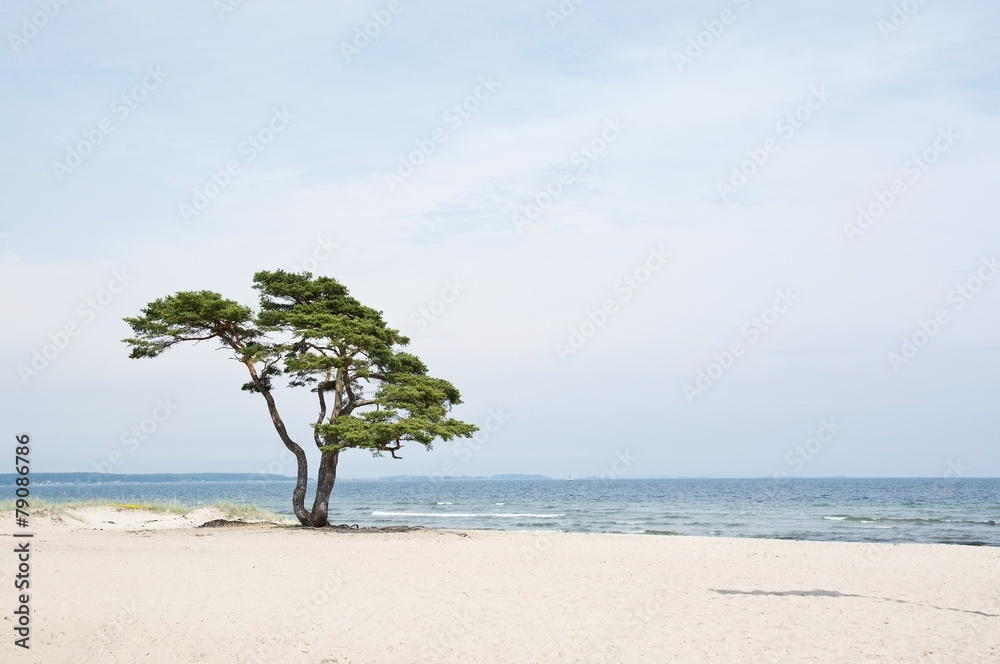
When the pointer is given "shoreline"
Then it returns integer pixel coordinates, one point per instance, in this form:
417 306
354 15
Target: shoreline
248 513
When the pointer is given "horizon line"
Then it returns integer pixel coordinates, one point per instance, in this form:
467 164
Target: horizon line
527 476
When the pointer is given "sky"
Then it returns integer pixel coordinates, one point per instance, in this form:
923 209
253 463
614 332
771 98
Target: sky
644 239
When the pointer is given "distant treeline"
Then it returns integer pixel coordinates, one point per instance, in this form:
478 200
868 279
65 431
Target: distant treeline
509 476
96 478
103 478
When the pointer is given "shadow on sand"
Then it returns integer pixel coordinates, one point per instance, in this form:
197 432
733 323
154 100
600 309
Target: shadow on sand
837 593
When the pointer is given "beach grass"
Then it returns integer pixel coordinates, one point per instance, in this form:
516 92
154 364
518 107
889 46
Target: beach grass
39 505
231 509
248 512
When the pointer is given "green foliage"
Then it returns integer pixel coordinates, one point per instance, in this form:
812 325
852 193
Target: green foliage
372 395
189 316
344 351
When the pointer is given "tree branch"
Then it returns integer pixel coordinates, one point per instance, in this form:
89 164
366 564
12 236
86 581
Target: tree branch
322 410
392 449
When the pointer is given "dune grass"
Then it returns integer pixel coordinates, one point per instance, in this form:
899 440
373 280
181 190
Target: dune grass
246 512
231 509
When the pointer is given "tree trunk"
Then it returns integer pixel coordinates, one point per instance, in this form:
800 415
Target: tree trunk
324 486
302 476
301 484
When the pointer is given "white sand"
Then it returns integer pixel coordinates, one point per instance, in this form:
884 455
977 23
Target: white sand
150 588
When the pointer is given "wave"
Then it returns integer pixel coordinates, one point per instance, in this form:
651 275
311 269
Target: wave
908 520
469 515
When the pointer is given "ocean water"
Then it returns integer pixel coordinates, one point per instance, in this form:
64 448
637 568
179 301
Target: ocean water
956 511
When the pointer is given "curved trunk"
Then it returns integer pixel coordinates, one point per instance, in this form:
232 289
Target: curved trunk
324 486
302 476
301 484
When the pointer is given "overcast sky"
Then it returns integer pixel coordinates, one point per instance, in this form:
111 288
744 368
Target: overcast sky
156 147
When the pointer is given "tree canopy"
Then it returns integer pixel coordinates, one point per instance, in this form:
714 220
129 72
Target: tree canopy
372 395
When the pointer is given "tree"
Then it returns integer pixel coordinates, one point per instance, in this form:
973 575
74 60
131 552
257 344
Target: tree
371 394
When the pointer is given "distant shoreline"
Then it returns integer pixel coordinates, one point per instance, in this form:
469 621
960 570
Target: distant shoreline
7 479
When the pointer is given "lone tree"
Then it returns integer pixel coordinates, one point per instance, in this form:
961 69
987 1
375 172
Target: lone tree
371 394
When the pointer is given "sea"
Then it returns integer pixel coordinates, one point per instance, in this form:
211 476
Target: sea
952 511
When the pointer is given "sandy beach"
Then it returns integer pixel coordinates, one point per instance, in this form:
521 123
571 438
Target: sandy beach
130 586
